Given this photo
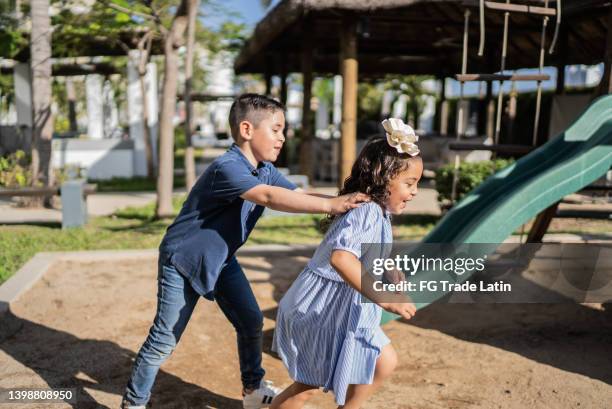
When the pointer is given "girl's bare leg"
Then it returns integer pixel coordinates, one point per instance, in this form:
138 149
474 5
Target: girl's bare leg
294 397
358 394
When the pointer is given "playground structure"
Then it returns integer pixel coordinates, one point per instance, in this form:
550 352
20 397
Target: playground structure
536 183
366 41
375 40
496 208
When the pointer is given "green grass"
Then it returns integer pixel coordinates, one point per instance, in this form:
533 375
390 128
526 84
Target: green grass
131 228
135 228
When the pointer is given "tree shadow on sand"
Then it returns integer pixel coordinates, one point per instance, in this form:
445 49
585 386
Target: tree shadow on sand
63 360
568 336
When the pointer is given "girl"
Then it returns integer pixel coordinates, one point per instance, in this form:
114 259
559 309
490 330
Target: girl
325 335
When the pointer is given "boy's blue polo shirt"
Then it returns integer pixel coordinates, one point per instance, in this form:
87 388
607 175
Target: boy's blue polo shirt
214 220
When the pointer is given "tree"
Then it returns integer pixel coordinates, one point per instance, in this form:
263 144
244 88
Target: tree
40 61
190 174
155 15
173 39
144 52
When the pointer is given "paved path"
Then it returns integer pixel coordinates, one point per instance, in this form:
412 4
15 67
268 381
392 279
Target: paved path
99 204
104 204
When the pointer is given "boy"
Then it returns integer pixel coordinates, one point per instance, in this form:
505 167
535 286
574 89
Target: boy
196 256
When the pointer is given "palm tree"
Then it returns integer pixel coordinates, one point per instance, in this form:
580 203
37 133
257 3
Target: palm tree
40 63
190 175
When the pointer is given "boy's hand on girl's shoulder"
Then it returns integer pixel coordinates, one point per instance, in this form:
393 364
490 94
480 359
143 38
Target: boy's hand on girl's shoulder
344 203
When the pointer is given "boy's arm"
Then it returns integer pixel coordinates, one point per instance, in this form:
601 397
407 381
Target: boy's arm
348 267
286 200
316 194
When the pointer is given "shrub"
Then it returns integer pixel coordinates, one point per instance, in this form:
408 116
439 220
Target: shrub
471 174
15 170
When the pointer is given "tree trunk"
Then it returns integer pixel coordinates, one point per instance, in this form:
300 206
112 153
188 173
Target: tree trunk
190 173
165 175
144 49
40 60
71 97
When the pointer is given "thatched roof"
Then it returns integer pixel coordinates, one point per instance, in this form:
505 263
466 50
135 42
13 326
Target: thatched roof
418 36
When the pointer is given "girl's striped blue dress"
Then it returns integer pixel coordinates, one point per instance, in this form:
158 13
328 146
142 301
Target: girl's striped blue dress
325 335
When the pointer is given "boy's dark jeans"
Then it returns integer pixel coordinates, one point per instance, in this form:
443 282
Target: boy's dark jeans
176 300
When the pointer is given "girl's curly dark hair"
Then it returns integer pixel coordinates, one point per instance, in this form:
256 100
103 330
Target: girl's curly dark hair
376 165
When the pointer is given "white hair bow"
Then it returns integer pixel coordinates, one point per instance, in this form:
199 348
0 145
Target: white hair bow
401 136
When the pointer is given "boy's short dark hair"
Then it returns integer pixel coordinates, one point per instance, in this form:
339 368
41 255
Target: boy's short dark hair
248 107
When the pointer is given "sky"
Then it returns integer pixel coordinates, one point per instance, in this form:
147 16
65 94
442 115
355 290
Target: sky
245 11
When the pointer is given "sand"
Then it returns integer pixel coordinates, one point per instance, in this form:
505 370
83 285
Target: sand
82 324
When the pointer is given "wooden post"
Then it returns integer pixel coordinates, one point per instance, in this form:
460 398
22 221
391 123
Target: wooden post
443 109
605 86
512 112
349 67
561 61
280 65
541 223
490 127
306 134
283 90
284 156
268 76
560 88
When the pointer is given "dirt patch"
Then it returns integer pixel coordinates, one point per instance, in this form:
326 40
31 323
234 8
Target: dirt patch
82 324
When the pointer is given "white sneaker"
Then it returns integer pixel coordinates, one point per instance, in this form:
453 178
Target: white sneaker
262 397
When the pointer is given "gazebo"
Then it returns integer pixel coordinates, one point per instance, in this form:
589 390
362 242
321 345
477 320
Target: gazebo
367 40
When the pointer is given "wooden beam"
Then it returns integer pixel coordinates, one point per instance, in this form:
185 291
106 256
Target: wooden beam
521 8
541 224
502 77
350 72
306 133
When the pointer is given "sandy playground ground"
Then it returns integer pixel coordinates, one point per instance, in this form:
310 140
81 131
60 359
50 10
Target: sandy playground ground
82 324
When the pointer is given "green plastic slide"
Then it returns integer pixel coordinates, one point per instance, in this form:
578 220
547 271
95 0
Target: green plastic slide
516 194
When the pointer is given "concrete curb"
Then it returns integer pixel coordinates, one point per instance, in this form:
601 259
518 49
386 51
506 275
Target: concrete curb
38 265
24 279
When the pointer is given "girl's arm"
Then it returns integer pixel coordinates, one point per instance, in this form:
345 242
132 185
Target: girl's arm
348 267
